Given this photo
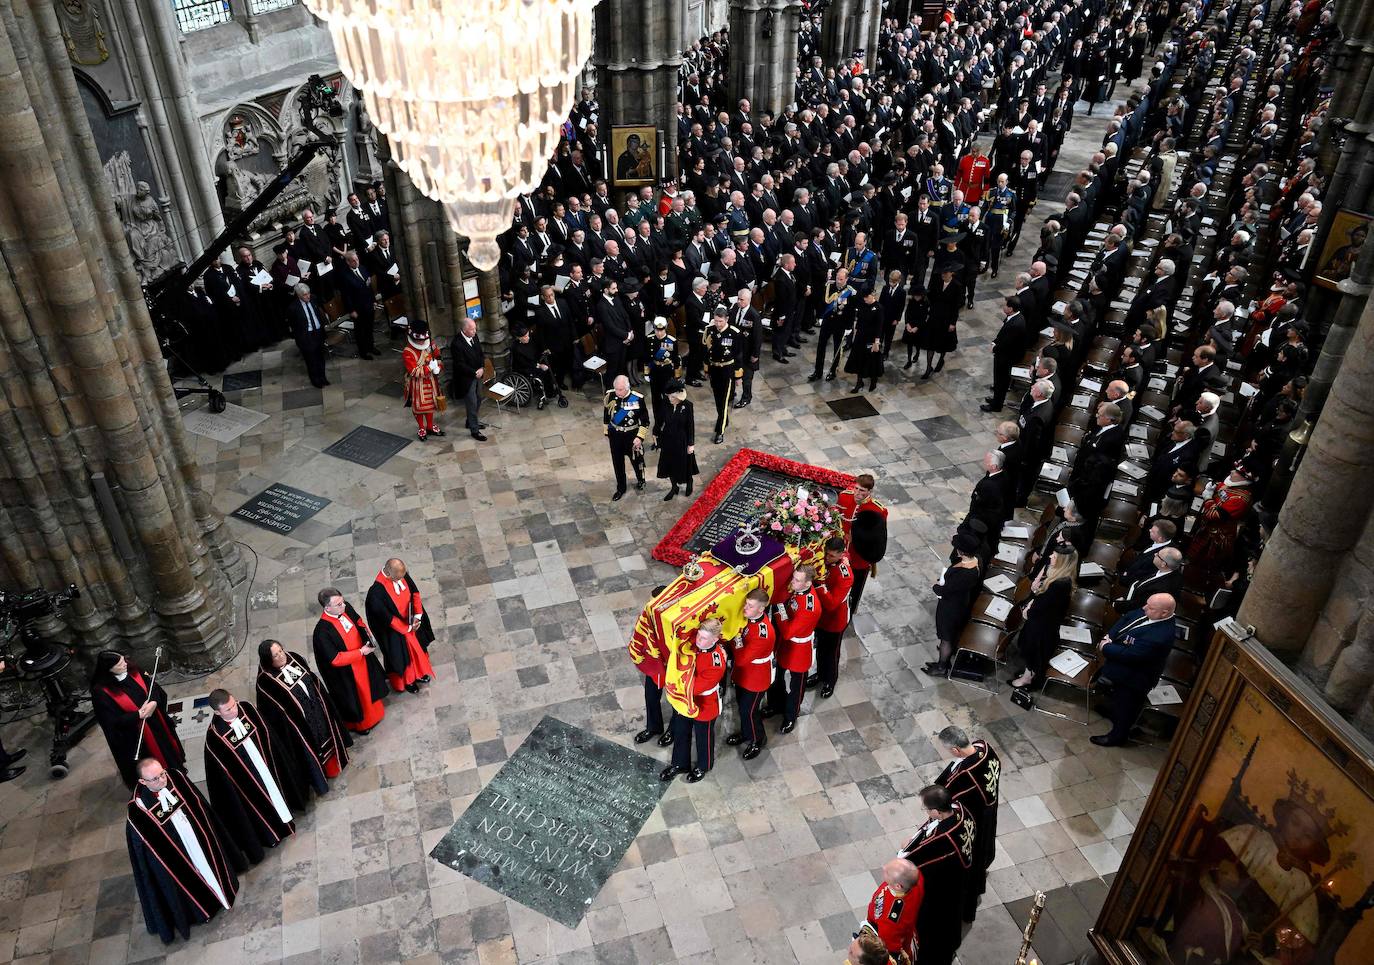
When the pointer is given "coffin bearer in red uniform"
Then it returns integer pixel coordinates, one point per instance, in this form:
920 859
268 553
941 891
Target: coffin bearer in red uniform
797 620
127 703
347 661
893 908
704 679
305 727
972 779
182 862
942 849
423 368
865 528
753 673
834 596
402 626
246 784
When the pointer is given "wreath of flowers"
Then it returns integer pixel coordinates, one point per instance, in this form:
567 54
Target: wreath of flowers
799 516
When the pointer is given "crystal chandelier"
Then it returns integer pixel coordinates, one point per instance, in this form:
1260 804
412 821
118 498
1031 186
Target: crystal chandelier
471 94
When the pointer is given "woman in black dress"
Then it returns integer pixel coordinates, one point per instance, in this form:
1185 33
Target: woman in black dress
131 709
946 296
916 321
958 588
865 348
677 460
1050 593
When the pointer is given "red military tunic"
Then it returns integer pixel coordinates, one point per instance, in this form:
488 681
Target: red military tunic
849 508
798 632
894 916
754 655
422 385
406 602
706 678
834 596
354 658
972 178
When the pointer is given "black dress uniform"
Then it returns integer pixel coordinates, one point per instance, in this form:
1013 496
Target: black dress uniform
1001 204
724 362
943 852
750 325
973 781
661 366
625 421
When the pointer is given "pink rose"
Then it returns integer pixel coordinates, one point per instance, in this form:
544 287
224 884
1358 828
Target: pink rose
776 527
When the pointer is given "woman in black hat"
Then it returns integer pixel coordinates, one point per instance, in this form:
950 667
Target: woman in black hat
958 588
916 321
946 299
677 461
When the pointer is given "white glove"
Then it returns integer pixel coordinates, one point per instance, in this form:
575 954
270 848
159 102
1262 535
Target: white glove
434 366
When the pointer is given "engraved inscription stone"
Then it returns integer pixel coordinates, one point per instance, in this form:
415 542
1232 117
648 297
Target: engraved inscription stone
738 504
368 447
280 508
555 821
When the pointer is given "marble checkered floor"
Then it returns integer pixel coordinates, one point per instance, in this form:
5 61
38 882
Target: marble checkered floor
534 577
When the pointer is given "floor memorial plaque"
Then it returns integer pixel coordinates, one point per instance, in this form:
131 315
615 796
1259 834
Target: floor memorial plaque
280 508
368 447
555 820
738 504
224 426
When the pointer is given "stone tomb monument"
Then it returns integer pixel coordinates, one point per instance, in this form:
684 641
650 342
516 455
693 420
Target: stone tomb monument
555 820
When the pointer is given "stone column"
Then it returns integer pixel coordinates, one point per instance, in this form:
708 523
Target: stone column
492 328
638 50
100 487
1327 508
839 30
763 52
1339 656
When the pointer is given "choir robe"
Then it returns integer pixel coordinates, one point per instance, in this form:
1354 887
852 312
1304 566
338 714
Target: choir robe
405 652
943 851
354 680
116 709
306 734
246 783
973 782
183 862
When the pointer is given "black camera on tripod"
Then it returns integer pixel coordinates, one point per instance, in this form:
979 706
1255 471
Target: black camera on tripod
44 663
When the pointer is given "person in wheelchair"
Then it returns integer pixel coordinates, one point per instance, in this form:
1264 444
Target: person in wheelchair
529 360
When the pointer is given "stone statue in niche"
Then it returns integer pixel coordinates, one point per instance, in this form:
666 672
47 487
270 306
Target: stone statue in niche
364 142
145 229
240 139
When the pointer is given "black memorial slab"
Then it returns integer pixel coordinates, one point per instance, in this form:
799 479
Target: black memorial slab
368 447
852 407
280 508
555 821
238 381
738 504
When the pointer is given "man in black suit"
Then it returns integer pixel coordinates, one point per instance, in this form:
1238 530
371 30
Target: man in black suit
1098 456
1165 576
307 328
786 306
986 503
469 368
1134 653
1036 436
1009 445
899 247
355 286
1008 349
1159 292
1181 450
554 319
1024 179
616 334
384 266
1199 377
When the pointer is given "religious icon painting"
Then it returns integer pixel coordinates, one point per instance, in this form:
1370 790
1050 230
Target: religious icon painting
634 151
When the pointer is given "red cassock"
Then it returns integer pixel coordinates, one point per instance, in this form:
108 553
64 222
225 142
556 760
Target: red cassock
354 678
972 178
834 596
706 678
798 631
849 508
402 643
895 917
754 655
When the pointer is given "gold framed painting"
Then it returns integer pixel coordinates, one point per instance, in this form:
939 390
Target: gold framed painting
1349 230
634 153
1250 848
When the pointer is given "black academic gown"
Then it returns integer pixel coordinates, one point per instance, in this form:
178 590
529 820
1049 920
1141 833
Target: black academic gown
170 889
381 610
973 781
339 681
236 790
116 710
944 855
305 731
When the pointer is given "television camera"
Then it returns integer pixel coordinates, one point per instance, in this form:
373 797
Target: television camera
45 663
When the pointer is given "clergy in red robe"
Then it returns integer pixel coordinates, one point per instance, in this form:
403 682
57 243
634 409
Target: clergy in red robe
305 728
246 783
183 864
347 661
398 618
128 704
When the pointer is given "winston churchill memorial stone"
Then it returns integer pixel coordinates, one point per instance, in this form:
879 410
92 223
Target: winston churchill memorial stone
555 820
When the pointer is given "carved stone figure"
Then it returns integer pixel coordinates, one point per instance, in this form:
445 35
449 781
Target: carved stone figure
144 228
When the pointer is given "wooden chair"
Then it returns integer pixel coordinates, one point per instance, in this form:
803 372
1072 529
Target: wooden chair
1006 624
1069 435
501 393
1117 518
1090 609
979 644
1081 682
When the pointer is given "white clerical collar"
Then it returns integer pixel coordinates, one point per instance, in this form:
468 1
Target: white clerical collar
237 728
291 673
399 585
121 677
166 799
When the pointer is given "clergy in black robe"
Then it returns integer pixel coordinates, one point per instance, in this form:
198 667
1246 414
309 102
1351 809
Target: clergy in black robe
972 779
346 658
248 789
943 851
306 734
127 703
183 863
401 625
